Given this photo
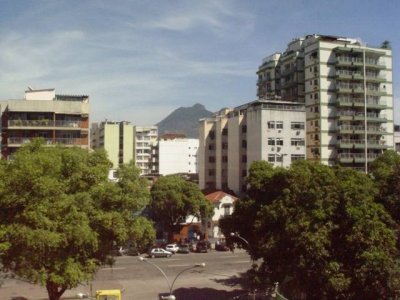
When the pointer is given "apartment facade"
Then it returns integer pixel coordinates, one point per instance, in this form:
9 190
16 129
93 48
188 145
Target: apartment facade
347 89
144 138
58 119
116 138
270 130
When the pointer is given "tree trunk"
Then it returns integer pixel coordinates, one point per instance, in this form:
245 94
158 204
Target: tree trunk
54 291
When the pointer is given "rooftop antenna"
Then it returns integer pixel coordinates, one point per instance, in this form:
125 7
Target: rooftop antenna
30 89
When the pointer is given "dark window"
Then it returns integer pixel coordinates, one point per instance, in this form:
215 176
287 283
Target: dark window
211 159
244 158
244 128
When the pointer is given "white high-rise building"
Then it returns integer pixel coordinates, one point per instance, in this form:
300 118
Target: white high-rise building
347 89
144 138
270 130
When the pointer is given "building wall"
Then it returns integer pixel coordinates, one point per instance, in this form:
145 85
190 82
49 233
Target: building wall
127 143
111 142
207 145
178 156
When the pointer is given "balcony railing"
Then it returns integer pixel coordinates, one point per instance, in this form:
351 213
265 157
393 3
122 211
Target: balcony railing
44 123
18 141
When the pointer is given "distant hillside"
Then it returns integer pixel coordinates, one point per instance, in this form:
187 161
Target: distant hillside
184 120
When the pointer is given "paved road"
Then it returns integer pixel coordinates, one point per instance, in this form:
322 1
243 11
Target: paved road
220 279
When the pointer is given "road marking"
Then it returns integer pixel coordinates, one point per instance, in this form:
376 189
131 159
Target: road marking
117 268
240 262
186 265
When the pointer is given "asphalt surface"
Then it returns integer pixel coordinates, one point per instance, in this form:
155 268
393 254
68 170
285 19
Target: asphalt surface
223 277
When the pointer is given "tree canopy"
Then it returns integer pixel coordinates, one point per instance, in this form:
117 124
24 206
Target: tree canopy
62 216
319 231
173 199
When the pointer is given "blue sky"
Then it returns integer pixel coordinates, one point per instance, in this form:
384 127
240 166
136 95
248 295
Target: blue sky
140 60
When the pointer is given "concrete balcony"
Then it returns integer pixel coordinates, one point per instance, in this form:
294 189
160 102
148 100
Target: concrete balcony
45 124
20 141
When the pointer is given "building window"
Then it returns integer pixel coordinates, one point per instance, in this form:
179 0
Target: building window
244 173
271 125
211 159
279 158
224 146
244 158
279 142
227 209
271 141
211 134
225 131
211 147
297 125
297 142
225 159
244 128
211 172
244 144
297 157
279 124
271 158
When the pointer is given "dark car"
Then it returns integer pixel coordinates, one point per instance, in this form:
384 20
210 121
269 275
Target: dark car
221 247
184 249
203 246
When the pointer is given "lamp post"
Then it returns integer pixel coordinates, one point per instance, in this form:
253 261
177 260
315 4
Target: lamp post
171 286
237 235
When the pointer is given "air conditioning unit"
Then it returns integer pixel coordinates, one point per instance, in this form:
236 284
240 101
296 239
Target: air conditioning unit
272 149
297 148
279 131
278 149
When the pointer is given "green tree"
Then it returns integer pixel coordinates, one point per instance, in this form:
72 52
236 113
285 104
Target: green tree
386 173
320 232
173 199
61 214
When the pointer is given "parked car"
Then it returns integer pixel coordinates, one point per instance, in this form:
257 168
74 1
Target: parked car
159 252
221 247
203 246
172 248
184 249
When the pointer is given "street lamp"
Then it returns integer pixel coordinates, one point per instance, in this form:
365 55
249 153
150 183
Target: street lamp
237 235
171 286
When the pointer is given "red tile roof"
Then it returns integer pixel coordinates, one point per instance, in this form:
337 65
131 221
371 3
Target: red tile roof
218 195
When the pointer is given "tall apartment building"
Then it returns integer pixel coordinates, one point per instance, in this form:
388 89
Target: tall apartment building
271 130
58 119
144 138
347 89
124 142
174 154
116 138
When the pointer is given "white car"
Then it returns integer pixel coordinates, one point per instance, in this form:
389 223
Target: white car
159 252
172 248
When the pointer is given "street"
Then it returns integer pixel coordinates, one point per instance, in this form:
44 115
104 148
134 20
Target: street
220 279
